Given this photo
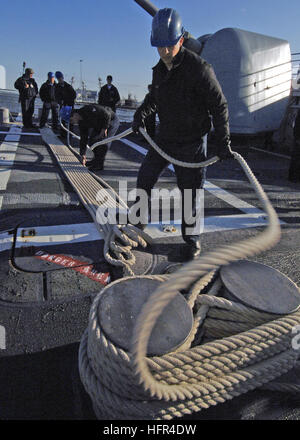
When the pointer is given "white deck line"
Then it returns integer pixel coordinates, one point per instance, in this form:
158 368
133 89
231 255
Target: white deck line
58 234
231 199
40 198
134 146
22 134
272 153
52 235
7 157
212 224
6 241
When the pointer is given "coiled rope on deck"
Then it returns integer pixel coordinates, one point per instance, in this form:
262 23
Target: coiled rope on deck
241 349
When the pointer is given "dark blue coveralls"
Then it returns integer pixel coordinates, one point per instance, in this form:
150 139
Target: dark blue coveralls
186 98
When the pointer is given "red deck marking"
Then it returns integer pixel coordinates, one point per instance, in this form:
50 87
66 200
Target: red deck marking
82 267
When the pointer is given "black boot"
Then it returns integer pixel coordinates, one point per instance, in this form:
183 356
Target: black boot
98 161
96 167
91 162
143 218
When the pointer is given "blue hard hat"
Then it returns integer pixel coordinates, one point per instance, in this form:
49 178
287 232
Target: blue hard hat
59 74
50 75
167 28
65 113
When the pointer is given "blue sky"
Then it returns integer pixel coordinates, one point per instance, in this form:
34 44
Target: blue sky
112 37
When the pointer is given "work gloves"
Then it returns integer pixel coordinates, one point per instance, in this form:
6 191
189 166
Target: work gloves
136 124
224 152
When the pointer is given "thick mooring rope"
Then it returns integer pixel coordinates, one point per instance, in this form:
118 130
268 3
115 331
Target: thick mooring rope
201 376
232 348
94 194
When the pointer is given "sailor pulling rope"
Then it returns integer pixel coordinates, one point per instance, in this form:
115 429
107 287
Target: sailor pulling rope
128 234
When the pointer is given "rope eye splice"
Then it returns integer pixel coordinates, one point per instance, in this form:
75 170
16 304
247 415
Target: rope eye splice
209 363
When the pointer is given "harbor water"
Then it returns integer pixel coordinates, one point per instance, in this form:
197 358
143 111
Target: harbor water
10 100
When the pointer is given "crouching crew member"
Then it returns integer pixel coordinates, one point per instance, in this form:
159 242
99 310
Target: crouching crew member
28 91
186 95
48 94
104 123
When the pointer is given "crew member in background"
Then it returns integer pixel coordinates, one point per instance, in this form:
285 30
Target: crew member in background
66 95
186 95
294 170
150 120
104 123
28 91
48 94
109 95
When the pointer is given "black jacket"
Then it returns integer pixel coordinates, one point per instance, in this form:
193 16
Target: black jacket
48 92
66 95
93 116
26 92
109 97
185 98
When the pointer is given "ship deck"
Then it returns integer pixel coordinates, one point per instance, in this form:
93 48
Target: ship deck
42 220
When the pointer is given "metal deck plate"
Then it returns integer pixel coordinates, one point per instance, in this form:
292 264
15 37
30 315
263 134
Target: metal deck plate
260 287
120 305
